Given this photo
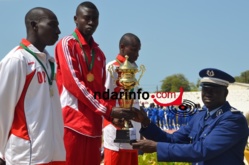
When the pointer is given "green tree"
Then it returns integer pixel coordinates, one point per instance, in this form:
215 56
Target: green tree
243 78
196 87
193 87
174 82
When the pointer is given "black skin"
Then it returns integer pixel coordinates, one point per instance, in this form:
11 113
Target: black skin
42 31
2 162
130 45
146 146
212 96
87 21
118 122
121 113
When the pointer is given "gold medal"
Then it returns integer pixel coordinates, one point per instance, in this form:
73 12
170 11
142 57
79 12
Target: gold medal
51 91
90 77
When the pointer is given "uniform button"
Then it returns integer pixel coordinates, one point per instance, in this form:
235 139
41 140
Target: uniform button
205 134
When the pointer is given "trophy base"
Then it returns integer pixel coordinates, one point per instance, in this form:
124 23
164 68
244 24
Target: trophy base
125 136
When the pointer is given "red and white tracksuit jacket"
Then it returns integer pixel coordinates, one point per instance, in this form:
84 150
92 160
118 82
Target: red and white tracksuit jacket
81 111
31 124
109 130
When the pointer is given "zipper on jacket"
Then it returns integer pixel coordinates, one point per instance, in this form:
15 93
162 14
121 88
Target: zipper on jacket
30 156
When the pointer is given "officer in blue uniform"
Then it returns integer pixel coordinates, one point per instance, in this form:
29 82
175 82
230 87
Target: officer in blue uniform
216 136
161 115
154 112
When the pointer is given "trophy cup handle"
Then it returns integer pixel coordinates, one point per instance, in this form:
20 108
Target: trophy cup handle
111 71
142 69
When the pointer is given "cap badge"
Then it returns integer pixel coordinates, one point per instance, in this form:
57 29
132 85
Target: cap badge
210 73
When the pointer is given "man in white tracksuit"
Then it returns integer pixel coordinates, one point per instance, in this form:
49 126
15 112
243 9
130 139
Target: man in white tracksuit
31 124
121 153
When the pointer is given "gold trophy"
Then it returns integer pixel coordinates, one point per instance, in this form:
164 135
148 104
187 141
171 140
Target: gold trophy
126 80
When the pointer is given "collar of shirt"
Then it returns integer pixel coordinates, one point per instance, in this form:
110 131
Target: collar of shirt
44 56
122 59
213 111
83 41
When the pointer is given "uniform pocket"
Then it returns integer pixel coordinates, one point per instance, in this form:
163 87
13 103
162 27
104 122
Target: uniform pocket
18 150
192 136
205 132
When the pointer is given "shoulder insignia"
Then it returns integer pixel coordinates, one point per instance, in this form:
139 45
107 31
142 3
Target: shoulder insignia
233 110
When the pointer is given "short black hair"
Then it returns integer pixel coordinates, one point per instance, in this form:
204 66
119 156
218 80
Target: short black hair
125 39
36 14
86 4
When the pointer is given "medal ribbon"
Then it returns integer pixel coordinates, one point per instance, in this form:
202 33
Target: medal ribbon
50 80
93 53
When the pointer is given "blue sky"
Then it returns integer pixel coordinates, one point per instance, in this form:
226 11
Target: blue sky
177 36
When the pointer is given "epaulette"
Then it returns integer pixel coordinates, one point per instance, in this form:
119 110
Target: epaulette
233 110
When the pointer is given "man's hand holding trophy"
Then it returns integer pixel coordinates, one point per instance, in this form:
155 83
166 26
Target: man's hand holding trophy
127 81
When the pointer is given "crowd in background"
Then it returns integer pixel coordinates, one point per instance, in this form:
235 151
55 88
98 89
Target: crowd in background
171 117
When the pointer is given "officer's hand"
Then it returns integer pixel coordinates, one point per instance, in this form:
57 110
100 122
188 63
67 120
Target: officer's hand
2 162
146 146
140 116
118 122
121 113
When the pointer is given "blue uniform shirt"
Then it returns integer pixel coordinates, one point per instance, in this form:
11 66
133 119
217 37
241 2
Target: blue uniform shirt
218 140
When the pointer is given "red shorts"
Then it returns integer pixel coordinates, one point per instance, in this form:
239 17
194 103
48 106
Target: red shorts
121 157
80 149
54 163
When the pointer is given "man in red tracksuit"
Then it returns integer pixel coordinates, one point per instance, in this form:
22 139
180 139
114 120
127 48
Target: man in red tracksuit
80 74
